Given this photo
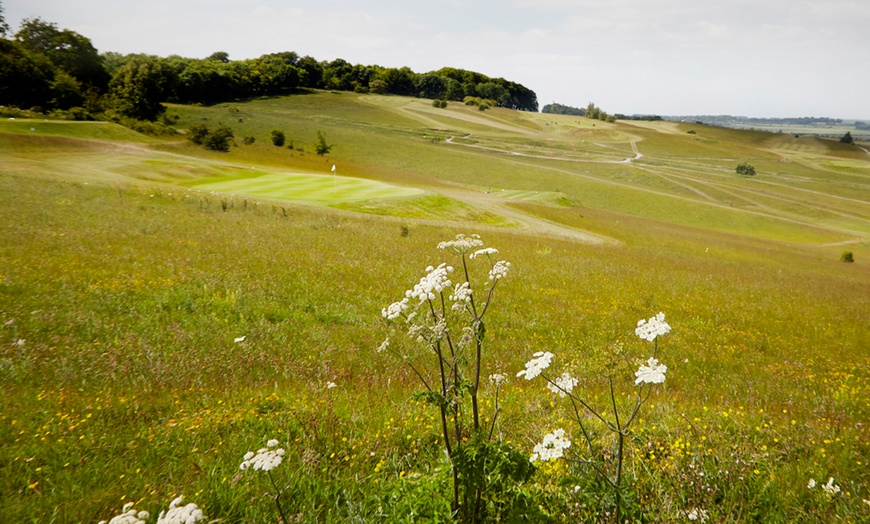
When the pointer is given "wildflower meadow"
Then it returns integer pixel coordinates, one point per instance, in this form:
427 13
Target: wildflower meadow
171 355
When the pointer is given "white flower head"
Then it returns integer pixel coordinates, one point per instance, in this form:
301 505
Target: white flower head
811 484
384 345
563 385
462 244
830 488
461 296
488 251
699 515
330 385
239 340
497 379
652 328
536 365
395 310
129 516
499 270
434 282
552 447
178 514
264 459
650 373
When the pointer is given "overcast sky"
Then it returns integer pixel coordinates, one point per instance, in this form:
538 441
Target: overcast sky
764 58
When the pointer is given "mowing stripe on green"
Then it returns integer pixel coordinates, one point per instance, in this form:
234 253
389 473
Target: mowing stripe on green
310 188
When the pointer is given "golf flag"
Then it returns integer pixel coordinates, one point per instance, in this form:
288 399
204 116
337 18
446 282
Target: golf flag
333 168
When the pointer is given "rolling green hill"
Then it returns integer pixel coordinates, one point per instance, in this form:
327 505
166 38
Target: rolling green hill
166 309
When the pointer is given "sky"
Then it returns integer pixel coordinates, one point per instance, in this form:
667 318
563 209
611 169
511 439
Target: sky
758 58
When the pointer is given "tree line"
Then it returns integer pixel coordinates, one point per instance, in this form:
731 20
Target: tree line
591 111
48 69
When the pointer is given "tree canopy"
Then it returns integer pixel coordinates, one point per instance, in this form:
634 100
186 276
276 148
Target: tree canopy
51 68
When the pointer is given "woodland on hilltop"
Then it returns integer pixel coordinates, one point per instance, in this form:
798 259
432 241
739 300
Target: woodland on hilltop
48 69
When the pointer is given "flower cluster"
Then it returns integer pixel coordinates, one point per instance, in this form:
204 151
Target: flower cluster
497 379
552 447
563 385
652 328
265 459
461 296
129 516
395 310
650 373
462 244
499 270
488 251
698 515
434 282
536 365
177 514
830 488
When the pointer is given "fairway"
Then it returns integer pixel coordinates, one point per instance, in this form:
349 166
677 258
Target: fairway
324 189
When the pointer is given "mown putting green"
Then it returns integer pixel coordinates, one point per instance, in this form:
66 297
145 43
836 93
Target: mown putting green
310 188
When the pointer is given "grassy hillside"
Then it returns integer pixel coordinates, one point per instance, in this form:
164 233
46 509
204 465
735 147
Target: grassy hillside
132 268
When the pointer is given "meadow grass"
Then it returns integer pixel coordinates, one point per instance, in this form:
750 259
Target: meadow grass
122 300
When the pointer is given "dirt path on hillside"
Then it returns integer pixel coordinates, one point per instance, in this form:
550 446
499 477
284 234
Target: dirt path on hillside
524 222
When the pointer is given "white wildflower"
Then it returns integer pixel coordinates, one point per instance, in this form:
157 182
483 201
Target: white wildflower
177 514
395 309
830 488
434 282
652 328
811 484
461 296
129 516
462 244
563 385
265 459
651 373
485 251
536 365
552 447
497 379
499 270
699 515
330 385
240 339
384 345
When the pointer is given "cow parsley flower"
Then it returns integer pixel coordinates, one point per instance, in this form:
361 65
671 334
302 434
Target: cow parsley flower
265 459
651 373
497 379
699 515
485 251
434 282
384 345
331 384
177 514
652 328
462 244
552 447
395 310
536 365
461 296
499 270
830 488
129 516
563 385
811 484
